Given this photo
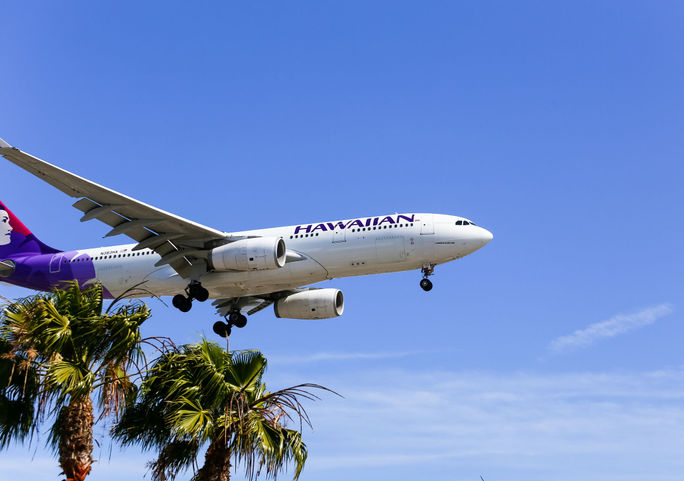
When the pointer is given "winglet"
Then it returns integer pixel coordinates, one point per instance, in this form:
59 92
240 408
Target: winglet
4 145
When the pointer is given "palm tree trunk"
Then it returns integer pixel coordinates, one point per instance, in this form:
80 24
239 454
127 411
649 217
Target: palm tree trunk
76 439
216 462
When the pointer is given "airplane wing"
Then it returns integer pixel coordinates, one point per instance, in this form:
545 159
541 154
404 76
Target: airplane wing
177 240
255 303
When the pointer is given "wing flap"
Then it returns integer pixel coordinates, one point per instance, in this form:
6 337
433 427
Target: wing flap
128 216
76 186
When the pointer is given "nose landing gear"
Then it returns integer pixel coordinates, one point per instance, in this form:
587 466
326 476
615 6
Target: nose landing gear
427 270
193 291
234 319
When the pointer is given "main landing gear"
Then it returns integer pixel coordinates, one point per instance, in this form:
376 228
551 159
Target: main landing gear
427 270
233 319
193 291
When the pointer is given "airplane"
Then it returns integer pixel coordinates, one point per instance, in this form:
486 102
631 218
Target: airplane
243 272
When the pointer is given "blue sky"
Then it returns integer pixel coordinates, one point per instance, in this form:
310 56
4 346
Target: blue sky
553 353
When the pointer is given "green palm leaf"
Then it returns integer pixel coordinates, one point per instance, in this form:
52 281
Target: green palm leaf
205 395
62 350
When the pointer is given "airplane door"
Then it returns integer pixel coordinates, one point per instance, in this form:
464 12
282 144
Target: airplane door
426 225
339 235
390 249
56 263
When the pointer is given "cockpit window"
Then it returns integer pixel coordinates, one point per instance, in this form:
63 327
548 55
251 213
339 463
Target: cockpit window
459 222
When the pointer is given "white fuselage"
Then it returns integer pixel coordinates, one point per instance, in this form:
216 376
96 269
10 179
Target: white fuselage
342 249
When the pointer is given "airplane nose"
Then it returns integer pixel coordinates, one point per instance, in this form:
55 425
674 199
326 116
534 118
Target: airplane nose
485 236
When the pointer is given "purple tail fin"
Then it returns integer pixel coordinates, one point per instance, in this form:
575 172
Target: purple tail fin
16 240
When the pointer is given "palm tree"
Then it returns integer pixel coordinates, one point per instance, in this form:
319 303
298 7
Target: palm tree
57 351
203 396
20 389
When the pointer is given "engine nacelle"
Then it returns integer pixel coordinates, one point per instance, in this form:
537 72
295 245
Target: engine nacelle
250 254
314 304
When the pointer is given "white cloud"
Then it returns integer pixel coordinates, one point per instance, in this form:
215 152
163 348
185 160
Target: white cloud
433 423
518 425
614 326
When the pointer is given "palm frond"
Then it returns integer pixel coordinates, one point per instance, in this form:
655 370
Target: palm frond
18 392
188 418
143 425
201 393
56 350
173 457
246 369
71 379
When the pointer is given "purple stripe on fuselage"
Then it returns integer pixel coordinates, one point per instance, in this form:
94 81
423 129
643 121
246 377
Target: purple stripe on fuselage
44 272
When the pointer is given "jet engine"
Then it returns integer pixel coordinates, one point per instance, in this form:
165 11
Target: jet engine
254 254
7 268
313 304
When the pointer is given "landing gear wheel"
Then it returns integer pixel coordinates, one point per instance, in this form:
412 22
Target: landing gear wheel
196 291
202 295
221 328
240 321
181 302
426 284
237 319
